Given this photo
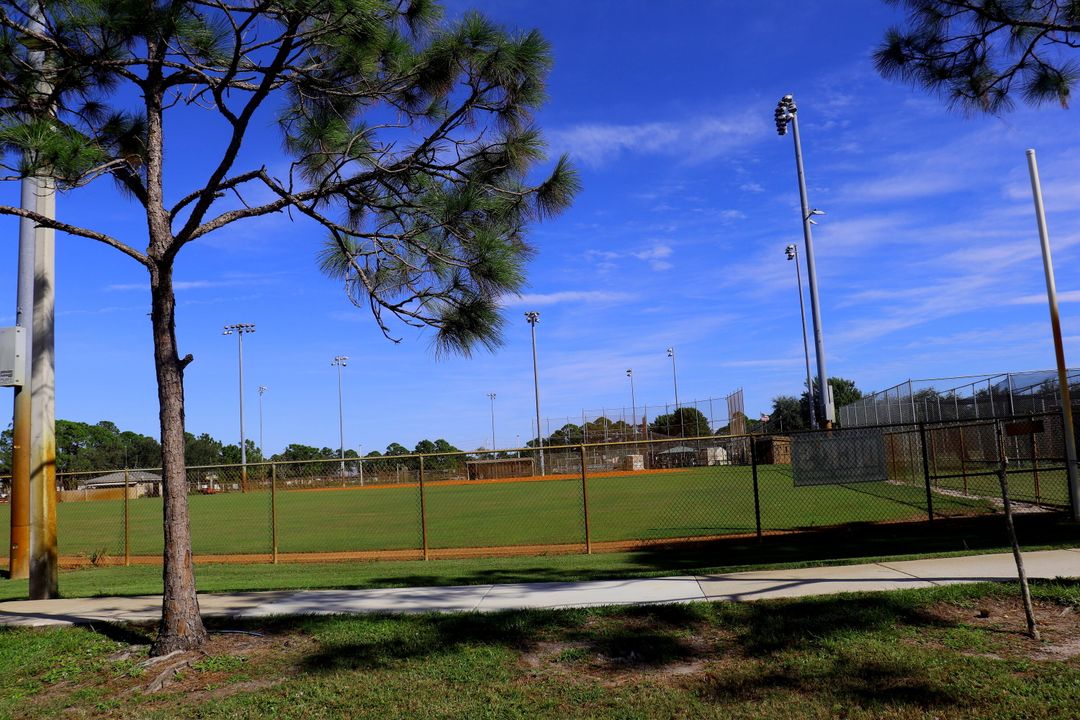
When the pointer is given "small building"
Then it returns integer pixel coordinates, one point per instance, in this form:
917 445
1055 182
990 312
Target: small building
138 483
679 456
500 469
712 456
631 462
773 450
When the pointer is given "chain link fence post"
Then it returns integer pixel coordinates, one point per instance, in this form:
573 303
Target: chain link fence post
753 473
273 514
423 512
585 500
926 473
127 519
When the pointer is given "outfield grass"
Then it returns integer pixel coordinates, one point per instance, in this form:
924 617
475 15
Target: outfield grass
907 655
647 506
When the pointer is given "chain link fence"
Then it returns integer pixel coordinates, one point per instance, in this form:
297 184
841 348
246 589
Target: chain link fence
571 498
972 397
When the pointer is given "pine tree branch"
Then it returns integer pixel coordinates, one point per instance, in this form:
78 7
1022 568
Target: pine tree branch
48 222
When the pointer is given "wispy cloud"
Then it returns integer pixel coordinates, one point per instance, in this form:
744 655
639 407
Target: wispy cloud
695 139
566 296
1069 296
752 187
656 256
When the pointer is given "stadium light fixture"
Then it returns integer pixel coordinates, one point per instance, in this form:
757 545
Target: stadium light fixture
633 401
793 254
239 329
339 362
532 317
491 396
787 114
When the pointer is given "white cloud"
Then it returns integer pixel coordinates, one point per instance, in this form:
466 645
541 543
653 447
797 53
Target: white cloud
695 139
566 296
752 187
1069 296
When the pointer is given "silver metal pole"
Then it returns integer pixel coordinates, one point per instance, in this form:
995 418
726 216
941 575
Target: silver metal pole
262 451
533 317
633 402
341 420
674 376
1055 325
492 397
806 346
243 442
825 402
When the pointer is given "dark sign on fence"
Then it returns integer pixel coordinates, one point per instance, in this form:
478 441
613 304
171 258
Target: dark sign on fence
838 457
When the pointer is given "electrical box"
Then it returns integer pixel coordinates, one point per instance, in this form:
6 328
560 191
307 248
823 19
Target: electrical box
12 357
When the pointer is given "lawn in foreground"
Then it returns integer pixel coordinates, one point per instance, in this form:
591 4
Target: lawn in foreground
689 503
912 654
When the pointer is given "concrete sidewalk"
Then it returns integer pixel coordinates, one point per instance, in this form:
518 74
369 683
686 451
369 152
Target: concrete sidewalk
739 587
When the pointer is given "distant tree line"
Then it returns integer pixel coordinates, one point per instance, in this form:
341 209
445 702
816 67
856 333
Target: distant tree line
791 413
103 446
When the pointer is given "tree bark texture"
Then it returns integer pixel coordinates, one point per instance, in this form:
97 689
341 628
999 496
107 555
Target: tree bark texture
181 624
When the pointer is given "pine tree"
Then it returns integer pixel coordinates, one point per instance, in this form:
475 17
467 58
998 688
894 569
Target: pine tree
410 142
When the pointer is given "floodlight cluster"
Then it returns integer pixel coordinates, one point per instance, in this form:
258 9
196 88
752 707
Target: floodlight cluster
239 328
532 317
785 113
340 360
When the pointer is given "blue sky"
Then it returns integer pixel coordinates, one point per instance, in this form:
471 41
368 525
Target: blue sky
928 258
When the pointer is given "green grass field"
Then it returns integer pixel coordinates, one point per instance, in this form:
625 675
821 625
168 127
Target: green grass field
687 503
945 652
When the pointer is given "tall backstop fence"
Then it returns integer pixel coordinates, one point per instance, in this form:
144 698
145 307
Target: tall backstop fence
592 497
972 397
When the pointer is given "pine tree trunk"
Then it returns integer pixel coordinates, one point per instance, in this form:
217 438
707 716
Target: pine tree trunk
181 625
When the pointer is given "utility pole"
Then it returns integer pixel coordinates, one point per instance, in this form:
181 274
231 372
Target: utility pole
491 396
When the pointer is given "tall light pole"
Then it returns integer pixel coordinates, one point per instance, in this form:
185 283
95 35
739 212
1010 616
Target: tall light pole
633 401
491 396
239 329
262 389
339 362
675 381
793 254
1055 329
532 317
787 112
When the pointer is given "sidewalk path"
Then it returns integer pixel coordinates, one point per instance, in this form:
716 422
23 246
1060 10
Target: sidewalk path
736 587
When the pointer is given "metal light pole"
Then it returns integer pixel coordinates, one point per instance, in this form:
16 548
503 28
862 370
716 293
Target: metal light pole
675 381
1055 326
533 317
793 254
674 376
633 401
262 389
339 362
491 396
239 329
787 112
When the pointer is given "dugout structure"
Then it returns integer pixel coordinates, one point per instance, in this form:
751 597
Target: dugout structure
500 469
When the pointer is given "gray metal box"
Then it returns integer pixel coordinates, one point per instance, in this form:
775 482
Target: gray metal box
12 357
